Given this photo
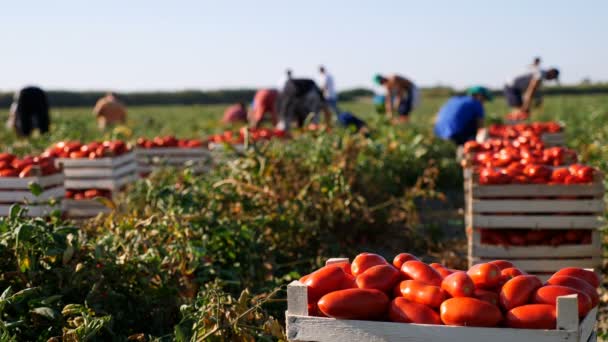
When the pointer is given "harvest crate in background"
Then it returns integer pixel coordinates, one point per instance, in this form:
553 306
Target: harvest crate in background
17 190
148 159
109 173
535 207
302 327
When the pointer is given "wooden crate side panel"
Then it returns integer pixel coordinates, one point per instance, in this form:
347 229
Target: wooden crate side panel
538 206
165 152
536 221
89 172
109 184
110 162
33 210
15 183
528 190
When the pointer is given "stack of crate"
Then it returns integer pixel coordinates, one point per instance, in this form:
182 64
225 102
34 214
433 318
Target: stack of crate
15 190
148 159
109 173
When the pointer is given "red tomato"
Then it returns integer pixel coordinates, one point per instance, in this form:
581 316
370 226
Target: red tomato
363 304
442 270
6 157
585 174
484 276
69 193
488 296
589 276
379 277
78 154
9 173
471 146
577 284
92 193
325 280
511 272
532 316
420 271
364 261
344 265
502 264
401 258
458 284
404 311
559 175
419 292
517 291
471 312
26 172
548 295
537 172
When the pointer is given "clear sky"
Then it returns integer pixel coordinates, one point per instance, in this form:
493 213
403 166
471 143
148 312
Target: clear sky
205 44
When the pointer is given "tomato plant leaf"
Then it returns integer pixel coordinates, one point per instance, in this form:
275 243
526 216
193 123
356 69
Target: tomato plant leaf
45 312
35 188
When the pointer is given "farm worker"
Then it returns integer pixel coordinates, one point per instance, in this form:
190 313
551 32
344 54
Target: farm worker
299 99
328 87
235 113
109 111
264 101
29 111
520 91
400 90
460 119
350 121
281 84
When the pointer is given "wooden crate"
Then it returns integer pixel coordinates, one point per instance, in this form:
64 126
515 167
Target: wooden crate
17 190
111 173
84 208
302 327
152 158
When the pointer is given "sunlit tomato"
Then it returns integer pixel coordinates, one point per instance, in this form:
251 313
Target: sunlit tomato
379 277
6 157
458 284
364 261
548 295
420 271
517 291
488 296
537 172
577 284
471 146
401 258
405 311
92 193
585 174
325 280
532 316
78 154
9 173
69 194
344 265
589 276
484 276
470 312
442 270
559 175
511 272
420 292
502 264
361 304
28 171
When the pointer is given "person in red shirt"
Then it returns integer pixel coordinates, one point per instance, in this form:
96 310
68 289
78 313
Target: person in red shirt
264 101
235 113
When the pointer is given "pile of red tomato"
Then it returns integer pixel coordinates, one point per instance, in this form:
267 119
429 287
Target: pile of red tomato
518 116
87 194
169 141
535 237
491 294
93 150
255 134
28 166
499 153
518 173
524 129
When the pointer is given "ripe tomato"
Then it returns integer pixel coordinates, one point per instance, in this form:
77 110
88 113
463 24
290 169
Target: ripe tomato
517 291
6 157
69 193
344 265
471 312
9 173
379 277
364 261
401 258
559 175
419 292
420 271
471 146
484 276
585 174
488 296
511 272
502 264
539 172
442 270
548 295
405 311
531 316
325 280
78 154
27 171
577 284
92 193
458 284
361 304
589 276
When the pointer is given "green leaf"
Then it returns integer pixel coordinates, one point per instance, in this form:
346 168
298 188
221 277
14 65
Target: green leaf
46 312
15 211
106 202
35 188
7 293
23 294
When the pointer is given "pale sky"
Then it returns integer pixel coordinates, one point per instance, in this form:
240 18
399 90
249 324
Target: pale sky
166 45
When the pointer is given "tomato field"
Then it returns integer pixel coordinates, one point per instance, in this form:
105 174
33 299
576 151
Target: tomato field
189 256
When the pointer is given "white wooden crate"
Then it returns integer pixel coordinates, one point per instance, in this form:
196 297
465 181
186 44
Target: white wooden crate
113 184
100 172
84 208
222 147
19 196
150 159
302 327
108 162
16 183
34 210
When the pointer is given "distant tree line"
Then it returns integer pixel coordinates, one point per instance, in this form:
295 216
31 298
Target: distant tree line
60 98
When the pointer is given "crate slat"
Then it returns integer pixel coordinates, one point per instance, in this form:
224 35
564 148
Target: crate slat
108 162
14 183
92 172
19 196
172 151
530 190
536 221
109 184
39 210
538 206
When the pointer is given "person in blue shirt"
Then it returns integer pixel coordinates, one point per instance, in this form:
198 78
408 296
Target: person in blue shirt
462 116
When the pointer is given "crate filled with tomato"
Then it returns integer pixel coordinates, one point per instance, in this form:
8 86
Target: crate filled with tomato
551 132
107 165
537 216
245 134
32 181
372 299
171 151
83 203
515 153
